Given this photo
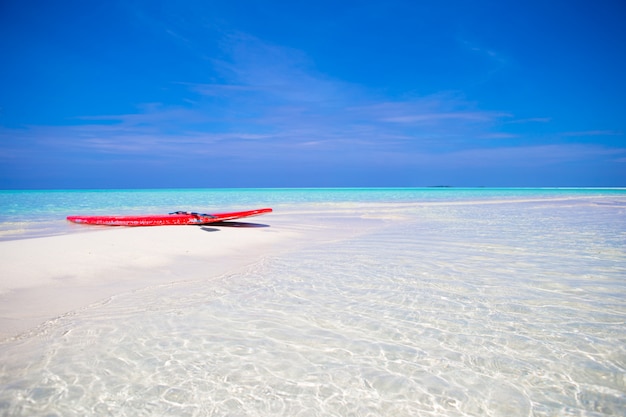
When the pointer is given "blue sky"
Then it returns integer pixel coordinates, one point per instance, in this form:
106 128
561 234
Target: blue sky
199 93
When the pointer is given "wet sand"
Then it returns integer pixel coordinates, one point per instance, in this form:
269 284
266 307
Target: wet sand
46 277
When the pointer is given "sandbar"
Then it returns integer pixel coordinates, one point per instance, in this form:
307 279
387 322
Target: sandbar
43 278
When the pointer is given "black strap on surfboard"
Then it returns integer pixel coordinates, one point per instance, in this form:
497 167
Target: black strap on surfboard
195 214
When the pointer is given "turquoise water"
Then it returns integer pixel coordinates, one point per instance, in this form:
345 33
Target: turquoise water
473 302
27 213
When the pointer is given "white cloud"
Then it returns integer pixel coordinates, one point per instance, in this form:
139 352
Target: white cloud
271 102
445 116
594 133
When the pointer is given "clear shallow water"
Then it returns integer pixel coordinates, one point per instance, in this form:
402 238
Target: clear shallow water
449 308
29 213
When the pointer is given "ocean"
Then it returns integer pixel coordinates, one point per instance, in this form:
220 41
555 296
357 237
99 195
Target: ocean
427 302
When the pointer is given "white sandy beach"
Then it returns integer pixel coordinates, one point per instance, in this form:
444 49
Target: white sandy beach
46 277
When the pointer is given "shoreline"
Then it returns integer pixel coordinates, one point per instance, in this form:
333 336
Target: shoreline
48 277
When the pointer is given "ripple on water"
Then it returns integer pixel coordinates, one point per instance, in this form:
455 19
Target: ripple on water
481 321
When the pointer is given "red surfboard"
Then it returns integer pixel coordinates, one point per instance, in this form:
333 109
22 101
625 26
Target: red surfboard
172 219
